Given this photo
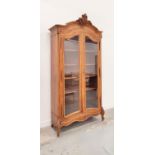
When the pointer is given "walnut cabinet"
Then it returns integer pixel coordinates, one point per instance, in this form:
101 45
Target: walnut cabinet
75 72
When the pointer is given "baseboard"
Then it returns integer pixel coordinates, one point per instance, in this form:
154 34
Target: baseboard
108 107
46 123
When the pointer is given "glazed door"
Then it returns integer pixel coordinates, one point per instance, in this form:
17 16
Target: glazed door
91 73
72 76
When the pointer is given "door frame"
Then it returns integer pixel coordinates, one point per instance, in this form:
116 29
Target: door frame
62 81
83 112
96 39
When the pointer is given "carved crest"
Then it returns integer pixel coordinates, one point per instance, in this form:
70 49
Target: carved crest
83 20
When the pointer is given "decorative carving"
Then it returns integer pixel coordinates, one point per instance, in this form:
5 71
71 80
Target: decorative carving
78 119
83 20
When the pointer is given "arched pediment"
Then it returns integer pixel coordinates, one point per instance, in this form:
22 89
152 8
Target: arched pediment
79 25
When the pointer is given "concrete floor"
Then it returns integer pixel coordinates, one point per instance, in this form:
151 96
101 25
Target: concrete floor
92 137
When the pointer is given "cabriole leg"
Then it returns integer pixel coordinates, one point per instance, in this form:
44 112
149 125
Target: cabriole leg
102 113
52 126
58 131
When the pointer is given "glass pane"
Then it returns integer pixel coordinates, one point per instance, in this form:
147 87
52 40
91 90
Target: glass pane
72 68
91 73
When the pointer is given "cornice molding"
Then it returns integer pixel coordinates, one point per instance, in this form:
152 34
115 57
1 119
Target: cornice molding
82 21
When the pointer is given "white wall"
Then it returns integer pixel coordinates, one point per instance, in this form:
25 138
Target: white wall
100 12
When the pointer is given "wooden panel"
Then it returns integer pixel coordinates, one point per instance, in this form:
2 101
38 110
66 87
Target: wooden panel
100 75
54 79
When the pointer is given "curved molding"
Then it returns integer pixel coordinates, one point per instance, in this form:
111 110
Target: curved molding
77 119
77 24
92 37
72 34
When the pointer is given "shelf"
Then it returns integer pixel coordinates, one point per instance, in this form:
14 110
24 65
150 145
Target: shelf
71 50
76 76
74 50
78 64
72 77
90 64
71 64
90 88
88 75
72 90
91 51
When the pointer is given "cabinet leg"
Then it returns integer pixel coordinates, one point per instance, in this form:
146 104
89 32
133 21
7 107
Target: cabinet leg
102 113
58 131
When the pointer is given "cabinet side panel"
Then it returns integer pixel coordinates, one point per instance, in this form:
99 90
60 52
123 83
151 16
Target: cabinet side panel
54 79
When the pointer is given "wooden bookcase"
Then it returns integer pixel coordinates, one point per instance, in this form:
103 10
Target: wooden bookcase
75 72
